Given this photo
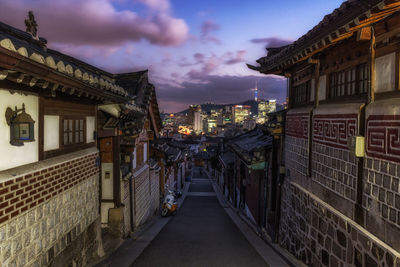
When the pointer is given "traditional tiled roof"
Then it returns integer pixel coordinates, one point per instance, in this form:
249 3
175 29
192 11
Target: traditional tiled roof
172 153
340 24
144 93
132 81
22 44
250 145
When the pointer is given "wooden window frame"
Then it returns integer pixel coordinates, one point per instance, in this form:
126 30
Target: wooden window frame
74 119
349 83
302 94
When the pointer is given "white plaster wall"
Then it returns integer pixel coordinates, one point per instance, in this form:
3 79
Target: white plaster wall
107 184
322 88
90 127
385 73
134 159
105 207
51 132
13 156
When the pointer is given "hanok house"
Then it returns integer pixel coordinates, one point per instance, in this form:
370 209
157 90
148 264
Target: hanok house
252 152
129 182
341 198
49 167
171 162
224 173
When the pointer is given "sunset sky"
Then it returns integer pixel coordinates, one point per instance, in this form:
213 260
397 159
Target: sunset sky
195 50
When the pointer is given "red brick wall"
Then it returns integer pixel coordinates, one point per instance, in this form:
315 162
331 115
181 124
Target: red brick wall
29 190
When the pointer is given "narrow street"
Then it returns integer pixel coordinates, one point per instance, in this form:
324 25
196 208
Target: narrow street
201 234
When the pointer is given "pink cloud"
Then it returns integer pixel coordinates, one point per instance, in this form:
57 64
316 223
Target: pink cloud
233 59
206 65
97 22
161 5
199 57
207 28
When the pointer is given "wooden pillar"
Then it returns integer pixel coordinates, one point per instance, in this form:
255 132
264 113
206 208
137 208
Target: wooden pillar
41 129
316 78
116 170
371 95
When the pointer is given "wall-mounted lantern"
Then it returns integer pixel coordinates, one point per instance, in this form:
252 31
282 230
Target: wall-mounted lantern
21 126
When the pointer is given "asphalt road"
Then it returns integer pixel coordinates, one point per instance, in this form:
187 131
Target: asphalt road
201 234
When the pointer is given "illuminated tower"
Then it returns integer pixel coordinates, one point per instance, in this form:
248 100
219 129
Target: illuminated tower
256 93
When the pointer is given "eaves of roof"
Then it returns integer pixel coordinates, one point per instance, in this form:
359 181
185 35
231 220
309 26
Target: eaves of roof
341 24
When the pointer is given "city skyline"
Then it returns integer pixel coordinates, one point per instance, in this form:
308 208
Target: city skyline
193 50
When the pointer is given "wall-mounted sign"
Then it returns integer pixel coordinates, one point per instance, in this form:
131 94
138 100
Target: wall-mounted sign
21 126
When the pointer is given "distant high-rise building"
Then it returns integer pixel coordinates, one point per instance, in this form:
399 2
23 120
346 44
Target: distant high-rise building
262 108
240 113
192 110
271 105
265 107
198 122
194 118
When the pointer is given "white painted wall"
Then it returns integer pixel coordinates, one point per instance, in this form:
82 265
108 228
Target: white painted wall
90 128
322 88
134 159
105 207
13 156
51 132
107 185
385 73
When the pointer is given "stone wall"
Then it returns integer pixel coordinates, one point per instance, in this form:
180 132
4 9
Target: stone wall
296 143
381 200
333 166
142 194
46 206
154 190
296 156
126 201
319 235
319 215
381 191
335 169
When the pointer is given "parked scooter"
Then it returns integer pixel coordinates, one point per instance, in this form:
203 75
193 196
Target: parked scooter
170 203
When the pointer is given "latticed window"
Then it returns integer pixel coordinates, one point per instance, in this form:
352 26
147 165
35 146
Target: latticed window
363 74
302 93
350 82
73 131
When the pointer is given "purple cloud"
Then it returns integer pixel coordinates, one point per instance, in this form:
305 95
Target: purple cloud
239 57
271 41
199 57
207 28
97 22
223 89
